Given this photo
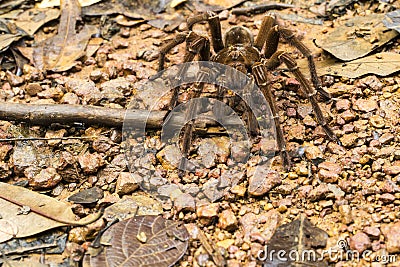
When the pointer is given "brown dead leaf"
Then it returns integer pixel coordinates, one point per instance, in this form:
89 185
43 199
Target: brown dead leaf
143 241
32 19
392 20
223 3
54 3
44 212
7 39
59 53
8 5
382 64
25 263
357 37
93 45
175 3
299 236
135 9
7 230
216 5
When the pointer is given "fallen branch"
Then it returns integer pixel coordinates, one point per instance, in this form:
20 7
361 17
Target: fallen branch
68 114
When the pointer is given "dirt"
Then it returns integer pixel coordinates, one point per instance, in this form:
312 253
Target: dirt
350 190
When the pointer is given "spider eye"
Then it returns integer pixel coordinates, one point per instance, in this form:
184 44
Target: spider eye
238 35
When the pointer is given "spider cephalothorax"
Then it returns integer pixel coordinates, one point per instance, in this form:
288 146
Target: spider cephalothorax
255 57
239 51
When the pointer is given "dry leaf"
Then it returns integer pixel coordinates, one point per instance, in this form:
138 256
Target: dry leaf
7 39
93 45
54 3
60 52
143 241
8 5
136 9
299 236
53 241
218 4
358 37
175 3
7 230
392 20
32 19
382 64
45 212
25 263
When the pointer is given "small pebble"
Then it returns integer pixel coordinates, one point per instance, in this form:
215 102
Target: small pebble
227 220
360 242
365 105
46 179
392 237
126 184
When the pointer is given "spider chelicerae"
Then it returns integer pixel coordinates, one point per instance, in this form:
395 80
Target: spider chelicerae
255 57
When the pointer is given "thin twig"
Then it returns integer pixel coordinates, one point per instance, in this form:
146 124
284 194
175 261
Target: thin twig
44 138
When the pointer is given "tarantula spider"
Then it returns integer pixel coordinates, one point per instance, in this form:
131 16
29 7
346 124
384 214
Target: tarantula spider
239 50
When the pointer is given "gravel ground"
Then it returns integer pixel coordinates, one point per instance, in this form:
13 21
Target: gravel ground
351 190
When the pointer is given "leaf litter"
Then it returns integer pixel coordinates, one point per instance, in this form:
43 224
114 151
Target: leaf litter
32 19
299 236
357 37
60 52
382 64
45 212
143 238
392 20
142 241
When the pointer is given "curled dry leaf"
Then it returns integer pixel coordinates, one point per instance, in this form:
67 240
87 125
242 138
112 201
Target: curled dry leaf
175 3
357 37
382 64
59 53
45 212
143 241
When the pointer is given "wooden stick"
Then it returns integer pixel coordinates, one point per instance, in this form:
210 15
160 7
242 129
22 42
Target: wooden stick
112 117
68 114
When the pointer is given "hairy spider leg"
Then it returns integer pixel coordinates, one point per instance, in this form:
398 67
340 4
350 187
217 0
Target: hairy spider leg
260 73
275 60
215 28
197 89
270 32
195 45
